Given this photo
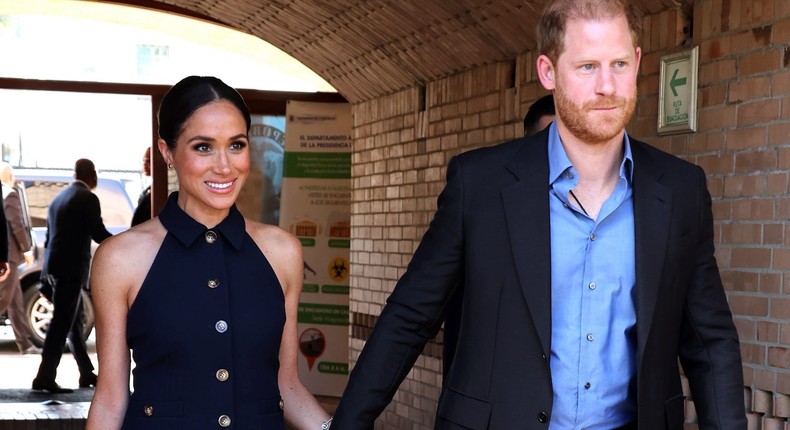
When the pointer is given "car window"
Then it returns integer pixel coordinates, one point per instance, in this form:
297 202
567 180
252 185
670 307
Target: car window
39 195
116 207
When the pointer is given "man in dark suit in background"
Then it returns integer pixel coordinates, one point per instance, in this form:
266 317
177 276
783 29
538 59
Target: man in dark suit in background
73 219
142 212
586 261
539 115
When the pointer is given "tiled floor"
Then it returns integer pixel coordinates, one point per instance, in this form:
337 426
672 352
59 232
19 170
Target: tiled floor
36 416
17 371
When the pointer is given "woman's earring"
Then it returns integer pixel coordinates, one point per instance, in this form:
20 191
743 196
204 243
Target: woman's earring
169 166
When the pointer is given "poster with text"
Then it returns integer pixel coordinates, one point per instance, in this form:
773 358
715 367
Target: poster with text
316 207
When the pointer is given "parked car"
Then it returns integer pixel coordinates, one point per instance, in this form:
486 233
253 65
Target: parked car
36 191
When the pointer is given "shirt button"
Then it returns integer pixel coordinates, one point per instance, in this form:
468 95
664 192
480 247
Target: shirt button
221 326
590 337
222 375
213 283
148 410
543 417
592 236
211 237
223 421
592 285
587 386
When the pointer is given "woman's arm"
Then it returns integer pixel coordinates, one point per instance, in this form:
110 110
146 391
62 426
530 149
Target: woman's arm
284 252
110 292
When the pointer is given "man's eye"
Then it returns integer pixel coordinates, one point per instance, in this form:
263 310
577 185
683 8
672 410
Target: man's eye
587 67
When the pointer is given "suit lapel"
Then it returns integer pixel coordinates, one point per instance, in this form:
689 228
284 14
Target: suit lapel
652 215
526 207
527 214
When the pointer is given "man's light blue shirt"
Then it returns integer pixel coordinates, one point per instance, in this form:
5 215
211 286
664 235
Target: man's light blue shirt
593 323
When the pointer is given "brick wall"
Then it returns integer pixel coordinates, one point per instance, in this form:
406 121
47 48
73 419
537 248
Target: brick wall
742 142
404 141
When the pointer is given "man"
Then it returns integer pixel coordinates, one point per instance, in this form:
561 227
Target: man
539 115
143 211
73 219
586 262
18 251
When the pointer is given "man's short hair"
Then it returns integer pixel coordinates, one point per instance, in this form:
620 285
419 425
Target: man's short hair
84 170
550 31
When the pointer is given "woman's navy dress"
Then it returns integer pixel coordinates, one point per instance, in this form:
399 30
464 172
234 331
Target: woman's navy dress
205 331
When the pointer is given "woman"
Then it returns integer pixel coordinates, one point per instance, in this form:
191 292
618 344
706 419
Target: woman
206 300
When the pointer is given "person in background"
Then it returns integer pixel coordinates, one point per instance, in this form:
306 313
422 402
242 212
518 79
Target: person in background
539 115
18 251
227 355
73 220
586 262
142 212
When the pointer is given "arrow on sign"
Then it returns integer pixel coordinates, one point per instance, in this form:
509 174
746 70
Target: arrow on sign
676 82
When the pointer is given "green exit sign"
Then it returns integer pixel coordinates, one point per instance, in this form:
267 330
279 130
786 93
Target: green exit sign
677 104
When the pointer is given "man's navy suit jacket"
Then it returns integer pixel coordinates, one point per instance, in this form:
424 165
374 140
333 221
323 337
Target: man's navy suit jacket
490 236
73 219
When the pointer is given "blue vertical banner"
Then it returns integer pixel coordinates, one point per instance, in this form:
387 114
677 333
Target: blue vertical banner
316 207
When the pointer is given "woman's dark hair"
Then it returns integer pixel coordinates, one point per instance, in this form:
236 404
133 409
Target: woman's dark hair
189 95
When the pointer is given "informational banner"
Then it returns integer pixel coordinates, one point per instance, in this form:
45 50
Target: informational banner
316 207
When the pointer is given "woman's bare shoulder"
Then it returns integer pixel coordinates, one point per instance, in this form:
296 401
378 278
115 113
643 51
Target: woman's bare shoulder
269 236
138 241
283 251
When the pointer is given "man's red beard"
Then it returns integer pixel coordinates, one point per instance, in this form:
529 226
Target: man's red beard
594 129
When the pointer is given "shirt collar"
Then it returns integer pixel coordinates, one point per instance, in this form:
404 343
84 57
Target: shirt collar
184 228
81 183
559 162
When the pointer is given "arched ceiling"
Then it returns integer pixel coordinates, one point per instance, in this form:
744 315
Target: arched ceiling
367 48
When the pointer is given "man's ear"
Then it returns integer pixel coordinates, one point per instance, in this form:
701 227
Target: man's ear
638 53
546 72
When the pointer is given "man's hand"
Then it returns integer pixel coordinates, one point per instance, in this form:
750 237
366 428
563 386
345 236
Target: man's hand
28 258
3 271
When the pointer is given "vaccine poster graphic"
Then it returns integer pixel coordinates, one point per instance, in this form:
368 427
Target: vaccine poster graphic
315 206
